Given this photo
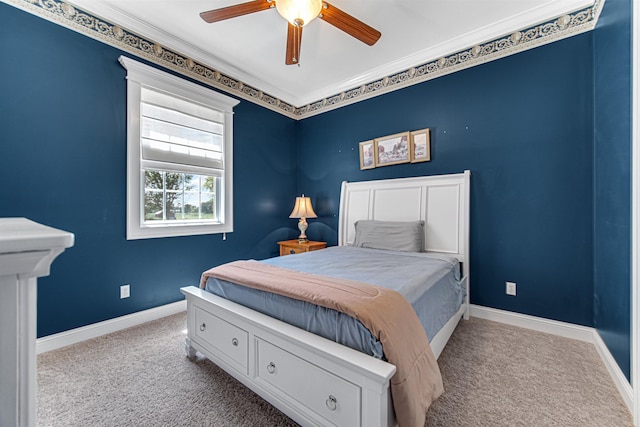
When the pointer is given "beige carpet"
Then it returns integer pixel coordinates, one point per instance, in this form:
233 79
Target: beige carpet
494 375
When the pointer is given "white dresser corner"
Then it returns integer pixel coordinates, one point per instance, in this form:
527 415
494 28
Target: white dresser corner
27 250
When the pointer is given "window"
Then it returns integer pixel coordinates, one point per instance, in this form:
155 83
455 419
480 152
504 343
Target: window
179 156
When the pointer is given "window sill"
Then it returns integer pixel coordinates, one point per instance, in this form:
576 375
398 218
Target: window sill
176 230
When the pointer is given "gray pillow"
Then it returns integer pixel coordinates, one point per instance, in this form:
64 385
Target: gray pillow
404 236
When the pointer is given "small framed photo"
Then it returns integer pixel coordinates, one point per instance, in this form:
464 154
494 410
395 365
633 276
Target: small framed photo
392 149
420 146
367 159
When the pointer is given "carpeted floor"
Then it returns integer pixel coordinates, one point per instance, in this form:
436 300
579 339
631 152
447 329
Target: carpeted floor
494 375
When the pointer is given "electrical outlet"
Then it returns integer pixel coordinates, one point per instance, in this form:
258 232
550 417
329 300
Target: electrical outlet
511 288
124 291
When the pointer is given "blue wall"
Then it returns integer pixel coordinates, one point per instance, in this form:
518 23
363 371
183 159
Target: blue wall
63 163
612 179
523 126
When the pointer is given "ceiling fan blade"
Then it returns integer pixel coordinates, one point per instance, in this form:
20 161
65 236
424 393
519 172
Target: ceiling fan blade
235 10
294 41
349 24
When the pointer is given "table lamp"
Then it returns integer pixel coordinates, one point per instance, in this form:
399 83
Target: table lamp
303 210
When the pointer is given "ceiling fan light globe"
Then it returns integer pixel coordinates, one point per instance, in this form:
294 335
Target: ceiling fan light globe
296 11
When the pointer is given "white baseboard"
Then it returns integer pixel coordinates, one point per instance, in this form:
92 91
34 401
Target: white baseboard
625 389
567 330
555 327
63 339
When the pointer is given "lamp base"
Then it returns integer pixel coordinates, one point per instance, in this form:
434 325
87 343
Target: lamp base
302 226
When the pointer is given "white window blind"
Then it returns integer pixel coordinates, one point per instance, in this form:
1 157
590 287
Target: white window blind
178 131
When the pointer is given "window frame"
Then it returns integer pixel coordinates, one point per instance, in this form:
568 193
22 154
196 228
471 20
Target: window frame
140 75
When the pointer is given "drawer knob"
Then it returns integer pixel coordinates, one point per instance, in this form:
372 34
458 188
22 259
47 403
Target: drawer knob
203 327
332 403
234 342
292 251
271 367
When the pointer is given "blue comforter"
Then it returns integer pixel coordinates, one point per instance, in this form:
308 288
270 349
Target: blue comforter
430 283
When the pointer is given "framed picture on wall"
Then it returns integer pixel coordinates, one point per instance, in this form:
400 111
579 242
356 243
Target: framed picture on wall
420 146
367 159
392 149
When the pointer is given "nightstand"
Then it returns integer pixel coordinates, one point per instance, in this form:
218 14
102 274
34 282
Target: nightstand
289 247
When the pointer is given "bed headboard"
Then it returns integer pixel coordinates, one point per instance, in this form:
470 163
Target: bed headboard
441 201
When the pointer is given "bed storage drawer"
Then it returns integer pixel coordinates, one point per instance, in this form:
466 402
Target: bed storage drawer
331 397
229 341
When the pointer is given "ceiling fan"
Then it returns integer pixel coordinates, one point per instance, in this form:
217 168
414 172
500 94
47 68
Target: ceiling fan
299 13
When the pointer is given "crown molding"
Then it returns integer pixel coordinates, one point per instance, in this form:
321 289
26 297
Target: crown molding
190 61
490 32
73 18
163 38
550 31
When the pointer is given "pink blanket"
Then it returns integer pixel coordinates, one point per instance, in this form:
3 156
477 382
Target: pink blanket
389 317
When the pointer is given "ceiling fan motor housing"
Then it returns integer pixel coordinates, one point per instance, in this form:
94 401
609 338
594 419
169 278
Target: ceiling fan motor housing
299 12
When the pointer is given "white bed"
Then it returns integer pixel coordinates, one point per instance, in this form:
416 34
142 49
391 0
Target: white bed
278 361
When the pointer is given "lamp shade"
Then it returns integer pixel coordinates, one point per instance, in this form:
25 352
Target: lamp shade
303 208
299 12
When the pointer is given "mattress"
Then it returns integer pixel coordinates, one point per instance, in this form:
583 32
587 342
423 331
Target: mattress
430 283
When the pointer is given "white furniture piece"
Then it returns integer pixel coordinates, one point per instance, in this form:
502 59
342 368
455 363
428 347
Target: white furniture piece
313 380
27 250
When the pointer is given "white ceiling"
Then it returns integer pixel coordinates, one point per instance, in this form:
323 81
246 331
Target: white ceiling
251 48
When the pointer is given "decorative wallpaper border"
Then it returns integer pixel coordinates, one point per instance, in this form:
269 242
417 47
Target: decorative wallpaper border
62 13
519 41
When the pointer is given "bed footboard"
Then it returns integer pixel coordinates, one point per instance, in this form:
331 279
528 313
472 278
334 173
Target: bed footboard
348 388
